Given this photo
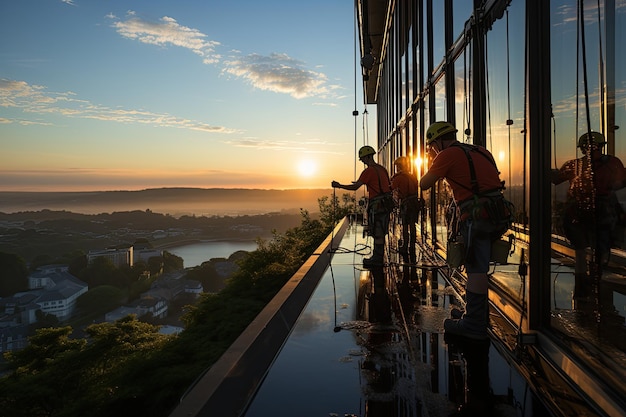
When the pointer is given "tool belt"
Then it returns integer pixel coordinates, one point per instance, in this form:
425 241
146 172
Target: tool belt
490 214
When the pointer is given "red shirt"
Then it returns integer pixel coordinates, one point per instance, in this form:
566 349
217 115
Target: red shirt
405 183
453 165
608 176
375 177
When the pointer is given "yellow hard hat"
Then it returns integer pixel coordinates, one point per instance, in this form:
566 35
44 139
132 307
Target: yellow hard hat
437 130
365 151
597 138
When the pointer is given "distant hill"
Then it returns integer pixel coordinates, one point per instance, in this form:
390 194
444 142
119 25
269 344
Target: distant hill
172 201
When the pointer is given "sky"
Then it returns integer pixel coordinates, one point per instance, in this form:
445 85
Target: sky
130 95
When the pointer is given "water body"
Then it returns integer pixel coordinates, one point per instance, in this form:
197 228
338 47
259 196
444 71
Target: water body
195 253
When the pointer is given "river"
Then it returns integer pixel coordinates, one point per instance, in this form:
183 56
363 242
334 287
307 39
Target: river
194 254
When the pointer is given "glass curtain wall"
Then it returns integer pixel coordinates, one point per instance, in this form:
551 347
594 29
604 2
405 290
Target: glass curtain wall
505 134
588 90
588 94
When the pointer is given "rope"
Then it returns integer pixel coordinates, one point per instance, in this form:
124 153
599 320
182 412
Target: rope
488 96
601 69
355 112
509 121
466 114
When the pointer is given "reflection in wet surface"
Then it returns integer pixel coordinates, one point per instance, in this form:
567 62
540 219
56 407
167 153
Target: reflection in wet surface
371 343
591 328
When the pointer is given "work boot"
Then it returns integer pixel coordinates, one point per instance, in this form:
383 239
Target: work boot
377 256
474 322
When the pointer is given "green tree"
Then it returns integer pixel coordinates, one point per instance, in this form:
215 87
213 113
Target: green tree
143 242
56 375
45 320
13 274
43 375
77 263
171 262
101 271
155 265
41 260
126 368
332 209
99 300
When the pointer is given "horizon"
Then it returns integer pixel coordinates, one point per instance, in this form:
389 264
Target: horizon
97 97
172 201
170 188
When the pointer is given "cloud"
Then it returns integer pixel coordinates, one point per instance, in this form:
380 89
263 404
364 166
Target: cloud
278 73
318 147
168 32
33 99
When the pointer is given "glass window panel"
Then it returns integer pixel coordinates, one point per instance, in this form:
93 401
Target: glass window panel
440 100
462 10
462 101
444 193
581 285
439 47
425 224
505 118
617 104
403 41
426 63
410 54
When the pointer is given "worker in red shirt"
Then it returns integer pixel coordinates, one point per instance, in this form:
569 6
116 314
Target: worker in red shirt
473 176
405 188
591 209
376 178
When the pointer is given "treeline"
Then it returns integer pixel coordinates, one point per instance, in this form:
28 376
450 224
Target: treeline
41 235
127 368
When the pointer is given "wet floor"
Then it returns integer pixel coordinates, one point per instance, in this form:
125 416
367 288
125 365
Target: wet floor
371 343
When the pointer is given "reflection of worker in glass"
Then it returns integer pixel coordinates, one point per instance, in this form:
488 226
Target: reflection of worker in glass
470 171
591 209
405 188
376 178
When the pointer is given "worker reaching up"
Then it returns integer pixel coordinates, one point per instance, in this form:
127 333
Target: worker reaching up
376 178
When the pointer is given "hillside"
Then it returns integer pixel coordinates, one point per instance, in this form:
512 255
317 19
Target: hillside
54 233
173 201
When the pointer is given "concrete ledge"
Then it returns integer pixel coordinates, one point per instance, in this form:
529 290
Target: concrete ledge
226 389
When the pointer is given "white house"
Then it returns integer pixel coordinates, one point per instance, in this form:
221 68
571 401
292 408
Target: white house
157 307
57 290
53 290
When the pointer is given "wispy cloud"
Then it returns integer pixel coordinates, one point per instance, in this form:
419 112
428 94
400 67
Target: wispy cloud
35 100
167 32
276 72
318 147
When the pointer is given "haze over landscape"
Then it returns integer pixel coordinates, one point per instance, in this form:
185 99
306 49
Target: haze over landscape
149 94
172 201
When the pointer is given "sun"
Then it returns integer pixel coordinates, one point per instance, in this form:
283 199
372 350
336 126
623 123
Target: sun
307 168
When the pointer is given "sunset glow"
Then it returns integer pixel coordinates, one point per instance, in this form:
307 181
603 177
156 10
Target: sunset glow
307 168
173 95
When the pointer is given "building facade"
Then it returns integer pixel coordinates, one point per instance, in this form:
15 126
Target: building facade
524 78
118 256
